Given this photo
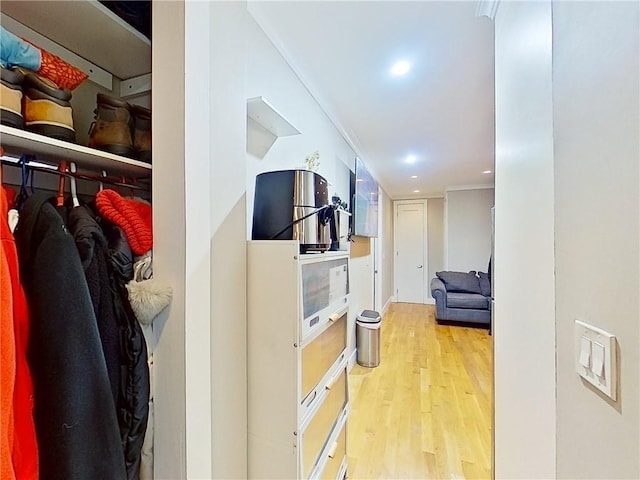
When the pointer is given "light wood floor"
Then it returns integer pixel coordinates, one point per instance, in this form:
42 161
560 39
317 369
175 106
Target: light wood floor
425 412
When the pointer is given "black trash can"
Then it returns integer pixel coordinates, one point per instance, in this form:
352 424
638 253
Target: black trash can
368 325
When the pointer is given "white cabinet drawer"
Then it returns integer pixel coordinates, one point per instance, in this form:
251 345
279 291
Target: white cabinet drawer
335 456
321 353
332 464
323 283
320 426
325 290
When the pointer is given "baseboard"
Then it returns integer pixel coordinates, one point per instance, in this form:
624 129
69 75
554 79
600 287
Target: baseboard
352 360
386 306
430 301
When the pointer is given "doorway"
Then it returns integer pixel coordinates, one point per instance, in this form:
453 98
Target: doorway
410 234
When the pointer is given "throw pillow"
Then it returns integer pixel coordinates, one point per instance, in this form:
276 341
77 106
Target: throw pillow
485 283
460 282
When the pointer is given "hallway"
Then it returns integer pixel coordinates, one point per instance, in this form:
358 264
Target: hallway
425 412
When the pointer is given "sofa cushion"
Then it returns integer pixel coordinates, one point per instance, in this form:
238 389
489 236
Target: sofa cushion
460 282
485 284
467 300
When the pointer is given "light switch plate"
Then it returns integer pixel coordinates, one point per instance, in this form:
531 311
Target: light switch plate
600 341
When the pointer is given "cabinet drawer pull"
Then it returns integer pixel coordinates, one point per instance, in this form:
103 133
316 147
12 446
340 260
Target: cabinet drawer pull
312 397
337 315
333 380
334 447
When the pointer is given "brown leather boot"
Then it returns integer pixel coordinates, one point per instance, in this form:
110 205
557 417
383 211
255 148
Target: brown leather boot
47 110
11 98
111 130
142 132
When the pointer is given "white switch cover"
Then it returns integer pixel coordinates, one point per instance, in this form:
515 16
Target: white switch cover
595 357
585 352
598 360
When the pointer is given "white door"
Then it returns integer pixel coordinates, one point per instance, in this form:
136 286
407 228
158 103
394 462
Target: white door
410 252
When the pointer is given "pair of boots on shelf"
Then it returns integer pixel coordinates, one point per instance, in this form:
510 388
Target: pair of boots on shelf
34 103
121 128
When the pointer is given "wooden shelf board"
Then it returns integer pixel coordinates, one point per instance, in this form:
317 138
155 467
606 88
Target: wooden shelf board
51 150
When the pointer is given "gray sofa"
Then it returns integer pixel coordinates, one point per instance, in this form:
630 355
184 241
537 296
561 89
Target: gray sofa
462 297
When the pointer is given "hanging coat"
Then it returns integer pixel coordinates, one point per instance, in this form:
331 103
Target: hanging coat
133 405
7 369
75 419
92 248
24 452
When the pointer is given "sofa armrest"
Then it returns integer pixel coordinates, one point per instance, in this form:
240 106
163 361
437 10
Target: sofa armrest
439 291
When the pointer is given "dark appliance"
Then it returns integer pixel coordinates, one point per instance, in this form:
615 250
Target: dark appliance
293 205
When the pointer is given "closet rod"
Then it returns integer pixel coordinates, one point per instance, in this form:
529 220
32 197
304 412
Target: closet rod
53 169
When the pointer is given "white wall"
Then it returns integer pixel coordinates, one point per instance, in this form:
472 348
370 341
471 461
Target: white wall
384 248
435 238
524 328
199 186
198 204
270 76
468 229
227 138
596 127
169 228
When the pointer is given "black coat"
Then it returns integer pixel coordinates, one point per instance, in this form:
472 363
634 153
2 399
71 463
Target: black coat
75 418
92 247
133 403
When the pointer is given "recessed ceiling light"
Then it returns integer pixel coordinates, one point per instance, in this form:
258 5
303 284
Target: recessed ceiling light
400 68
416 191
487 171
410 159
414 176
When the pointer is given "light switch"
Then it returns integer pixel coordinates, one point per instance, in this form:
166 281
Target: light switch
598 360
585 352
596 357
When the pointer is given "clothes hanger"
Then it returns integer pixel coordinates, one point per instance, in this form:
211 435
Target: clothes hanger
103 174
62 168
23 193
72 181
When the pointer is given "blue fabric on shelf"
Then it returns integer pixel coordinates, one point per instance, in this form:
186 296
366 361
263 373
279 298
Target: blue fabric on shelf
15 52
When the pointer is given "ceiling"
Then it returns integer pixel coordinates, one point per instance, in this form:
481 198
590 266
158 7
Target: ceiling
441 111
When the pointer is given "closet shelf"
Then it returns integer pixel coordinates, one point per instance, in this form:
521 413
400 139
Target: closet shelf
88 29
16 142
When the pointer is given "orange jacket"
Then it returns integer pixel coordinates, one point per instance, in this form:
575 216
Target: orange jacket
8 368
21 435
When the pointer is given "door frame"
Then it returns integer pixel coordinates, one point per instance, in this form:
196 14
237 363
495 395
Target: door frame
425 237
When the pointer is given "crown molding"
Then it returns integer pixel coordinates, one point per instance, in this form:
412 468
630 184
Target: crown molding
468 187
487 8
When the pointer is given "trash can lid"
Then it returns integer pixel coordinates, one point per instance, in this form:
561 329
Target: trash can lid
369 316
369 325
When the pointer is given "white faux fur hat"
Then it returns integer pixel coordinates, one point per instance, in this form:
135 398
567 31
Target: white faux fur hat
147 297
